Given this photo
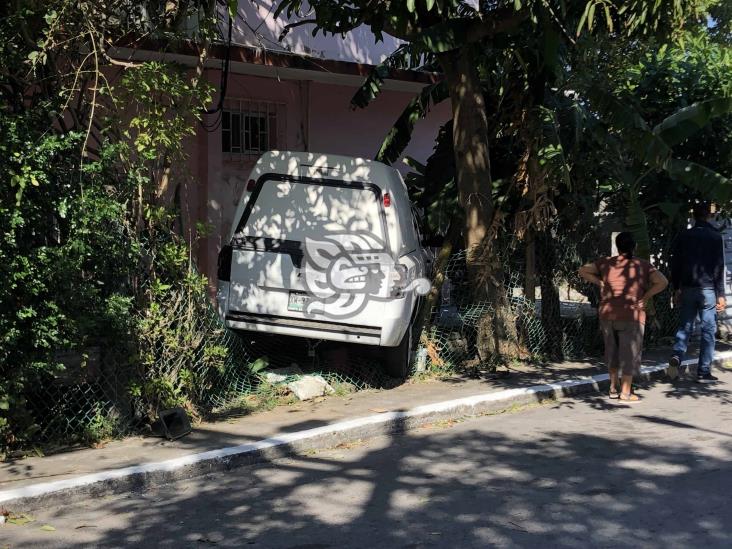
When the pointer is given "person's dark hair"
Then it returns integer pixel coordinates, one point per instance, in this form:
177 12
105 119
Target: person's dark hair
702 210
625 244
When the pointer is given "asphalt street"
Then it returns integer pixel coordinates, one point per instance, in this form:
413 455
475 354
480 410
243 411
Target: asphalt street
583 472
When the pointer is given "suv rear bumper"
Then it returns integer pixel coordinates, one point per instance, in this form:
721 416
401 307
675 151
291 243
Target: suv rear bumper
303 327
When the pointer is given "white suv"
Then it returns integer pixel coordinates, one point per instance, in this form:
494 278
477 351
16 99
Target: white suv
325 247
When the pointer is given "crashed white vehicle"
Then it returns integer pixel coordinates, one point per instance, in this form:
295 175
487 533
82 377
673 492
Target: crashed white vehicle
325 247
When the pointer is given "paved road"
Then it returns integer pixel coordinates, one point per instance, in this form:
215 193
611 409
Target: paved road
583 472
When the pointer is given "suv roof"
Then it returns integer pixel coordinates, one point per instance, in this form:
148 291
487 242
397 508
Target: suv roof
348 168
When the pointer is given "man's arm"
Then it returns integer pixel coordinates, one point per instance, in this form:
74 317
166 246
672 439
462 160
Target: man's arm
677 262
719 277
658 284
590 273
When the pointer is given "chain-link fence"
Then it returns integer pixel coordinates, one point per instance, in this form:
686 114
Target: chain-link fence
570 331
190 359
109 393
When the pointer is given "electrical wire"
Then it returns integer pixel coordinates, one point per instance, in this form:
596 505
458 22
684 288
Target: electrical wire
218 109
212 126
224 73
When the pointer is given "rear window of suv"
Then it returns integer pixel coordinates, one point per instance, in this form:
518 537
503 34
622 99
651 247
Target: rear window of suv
292 210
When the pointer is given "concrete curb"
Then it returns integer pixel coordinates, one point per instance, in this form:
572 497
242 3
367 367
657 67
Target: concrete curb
140 477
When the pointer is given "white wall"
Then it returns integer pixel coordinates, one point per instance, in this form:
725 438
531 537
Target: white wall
257 27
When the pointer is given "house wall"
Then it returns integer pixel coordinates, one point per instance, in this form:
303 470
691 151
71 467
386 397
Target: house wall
318 118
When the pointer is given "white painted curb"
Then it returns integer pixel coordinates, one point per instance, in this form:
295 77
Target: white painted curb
35 490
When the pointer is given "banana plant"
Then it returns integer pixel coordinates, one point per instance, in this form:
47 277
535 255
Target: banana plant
653 153
658 156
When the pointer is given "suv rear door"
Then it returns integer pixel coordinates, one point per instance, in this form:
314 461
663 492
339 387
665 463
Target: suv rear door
269 242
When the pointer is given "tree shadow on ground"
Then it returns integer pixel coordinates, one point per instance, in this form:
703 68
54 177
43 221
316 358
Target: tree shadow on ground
690 389
469 486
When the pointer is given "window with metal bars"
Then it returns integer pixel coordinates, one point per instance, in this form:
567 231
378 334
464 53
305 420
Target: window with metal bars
251 128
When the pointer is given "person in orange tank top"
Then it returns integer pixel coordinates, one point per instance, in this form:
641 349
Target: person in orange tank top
627 285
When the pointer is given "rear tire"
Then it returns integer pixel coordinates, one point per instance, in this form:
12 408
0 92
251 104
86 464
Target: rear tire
398 360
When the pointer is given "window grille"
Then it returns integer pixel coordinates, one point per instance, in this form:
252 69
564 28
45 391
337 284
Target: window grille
250 128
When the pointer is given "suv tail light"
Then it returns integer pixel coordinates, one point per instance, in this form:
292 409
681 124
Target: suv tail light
398 280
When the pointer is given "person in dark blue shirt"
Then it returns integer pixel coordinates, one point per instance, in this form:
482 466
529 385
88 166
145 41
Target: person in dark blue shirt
697 275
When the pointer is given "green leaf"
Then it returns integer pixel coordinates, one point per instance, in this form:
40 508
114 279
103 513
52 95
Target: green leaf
21 520
636 222
414 164
591 16
446 36
258 365
233 6
583 18
608 18
710 184
371 88
48 528
405 56
411 6
686 122
401 133
670 209
429 4
648 146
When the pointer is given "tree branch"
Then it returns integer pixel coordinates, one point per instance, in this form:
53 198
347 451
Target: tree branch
495 22
287 28
119 62
476 29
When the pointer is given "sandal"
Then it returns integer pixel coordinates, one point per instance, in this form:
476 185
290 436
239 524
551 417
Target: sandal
628 397
614 394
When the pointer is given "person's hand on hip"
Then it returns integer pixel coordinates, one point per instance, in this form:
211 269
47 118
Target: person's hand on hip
721 304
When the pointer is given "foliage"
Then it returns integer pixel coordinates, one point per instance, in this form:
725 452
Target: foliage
90 251
565 138
175 347
669 119
65 257
399 136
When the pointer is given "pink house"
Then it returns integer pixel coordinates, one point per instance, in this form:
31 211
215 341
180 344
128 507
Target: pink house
290 96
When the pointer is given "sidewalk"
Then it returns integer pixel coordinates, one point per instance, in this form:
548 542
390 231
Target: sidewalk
136 462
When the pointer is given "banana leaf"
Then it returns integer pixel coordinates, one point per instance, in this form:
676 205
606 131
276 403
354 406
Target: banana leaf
406 56
708 183
400 135
637 224
685 122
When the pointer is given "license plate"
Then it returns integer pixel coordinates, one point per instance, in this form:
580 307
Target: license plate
297 302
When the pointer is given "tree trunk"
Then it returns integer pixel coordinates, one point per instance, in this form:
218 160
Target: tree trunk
530 270
496 338
470 141
551 318
162 181
438 278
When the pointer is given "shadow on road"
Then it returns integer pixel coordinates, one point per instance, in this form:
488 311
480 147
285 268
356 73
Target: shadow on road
679 424
465 486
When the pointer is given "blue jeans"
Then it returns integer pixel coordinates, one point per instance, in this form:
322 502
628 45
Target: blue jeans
697 302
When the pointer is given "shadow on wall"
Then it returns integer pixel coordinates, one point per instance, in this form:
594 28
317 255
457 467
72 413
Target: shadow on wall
263 30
